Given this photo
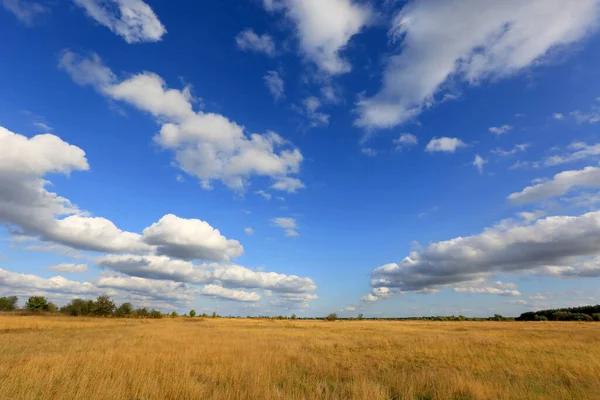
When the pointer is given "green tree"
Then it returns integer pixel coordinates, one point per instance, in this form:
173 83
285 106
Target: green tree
51 307
174 314
155 314
124 310
293 316
8 303
361 316
103 306
142 312
214 314
36 303
192 313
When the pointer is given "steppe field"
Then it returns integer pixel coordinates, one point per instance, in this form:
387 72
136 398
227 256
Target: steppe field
195 358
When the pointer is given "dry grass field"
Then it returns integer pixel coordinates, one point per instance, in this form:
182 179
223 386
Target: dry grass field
184 358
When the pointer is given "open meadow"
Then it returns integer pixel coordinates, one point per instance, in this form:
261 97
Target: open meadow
196 358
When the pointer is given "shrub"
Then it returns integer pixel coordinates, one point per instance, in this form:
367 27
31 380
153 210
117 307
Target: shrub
596 317
51 307
8 303
331 317
541 318
192 313
174 314
155 314
214 314
103 306
293 316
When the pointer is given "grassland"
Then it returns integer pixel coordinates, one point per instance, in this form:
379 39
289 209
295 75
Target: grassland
184 358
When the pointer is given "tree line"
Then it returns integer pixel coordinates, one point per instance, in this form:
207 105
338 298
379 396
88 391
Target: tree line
585 313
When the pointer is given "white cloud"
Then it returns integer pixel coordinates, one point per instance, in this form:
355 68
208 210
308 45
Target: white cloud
249 231
349 309
483 287
69 268
56 284
561 184
504 37
591 117
190 239
43 126
445 144
133 20
206 145
370 298
367 151
265 195
228 294
578 151
478 163
227 275
500 130
405 140
25 202
558 116
551 241
518 148
324 28
309 109
275 84
248 40
288 184
155 289
25 11
287 224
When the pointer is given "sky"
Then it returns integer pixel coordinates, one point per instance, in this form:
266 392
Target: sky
270 157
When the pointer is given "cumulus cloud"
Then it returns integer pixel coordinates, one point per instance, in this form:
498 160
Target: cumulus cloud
226 275
133 20
228 294
208 146
69 268
275 84
558 116
25 11
324 28
287 224
249 231
561 184
190 239
248 40
503 38
25 202
552 241
445 144
500 130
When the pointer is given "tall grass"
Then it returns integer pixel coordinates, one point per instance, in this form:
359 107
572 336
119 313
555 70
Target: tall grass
185 358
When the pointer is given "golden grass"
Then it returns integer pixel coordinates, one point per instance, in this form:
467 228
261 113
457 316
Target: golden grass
184 358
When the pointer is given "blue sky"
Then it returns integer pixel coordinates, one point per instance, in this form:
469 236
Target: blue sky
287 156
